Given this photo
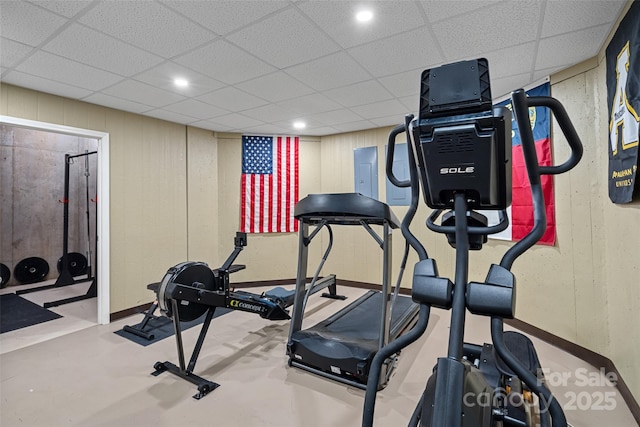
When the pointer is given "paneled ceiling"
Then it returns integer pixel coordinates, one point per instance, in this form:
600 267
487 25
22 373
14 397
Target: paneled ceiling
258 66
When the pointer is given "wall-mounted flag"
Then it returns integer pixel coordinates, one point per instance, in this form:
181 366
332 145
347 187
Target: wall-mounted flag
623 98
269 184
521 210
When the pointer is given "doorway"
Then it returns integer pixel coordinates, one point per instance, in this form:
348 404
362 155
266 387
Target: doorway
102 208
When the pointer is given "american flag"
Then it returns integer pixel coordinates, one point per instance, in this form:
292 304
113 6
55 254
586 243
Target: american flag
269 184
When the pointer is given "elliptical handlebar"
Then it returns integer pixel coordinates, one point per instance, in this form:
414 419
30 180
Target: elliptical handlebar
391 146
521 104
567 129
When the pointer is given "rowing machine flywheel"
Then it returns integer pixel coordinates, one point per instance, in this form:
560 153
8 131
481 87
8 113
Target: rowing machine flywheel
194 274
5 275
31 270
77 264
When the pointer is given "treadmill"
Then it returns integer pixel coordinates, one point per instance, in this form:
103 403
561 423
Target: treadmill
342 346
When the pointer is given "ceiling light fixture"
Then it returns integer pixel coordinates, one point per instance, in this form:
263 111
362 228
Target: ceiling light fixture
180 82
299 125
364 16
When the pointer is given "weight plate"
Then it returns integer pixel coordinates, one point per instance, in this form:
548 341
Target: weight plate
31 270
5 275
77 264
189 274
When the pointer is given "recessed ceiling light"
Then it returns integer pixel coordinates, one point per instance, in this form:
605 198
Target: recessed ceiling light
299 125
364 16
180 82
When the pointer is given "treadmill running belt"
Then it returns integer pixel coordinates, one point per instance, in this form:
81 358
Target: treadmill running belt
346 342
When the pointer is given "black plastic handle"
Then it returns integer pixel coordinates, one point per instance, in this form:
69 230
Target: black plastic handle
521 104
567 129
391 146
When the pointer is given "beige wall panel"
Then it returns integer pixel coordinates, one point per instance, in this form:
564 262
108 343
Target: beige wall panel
621 232
202 196
49 110
148 199
617 275
76 114
607 300
4 99
586 201
96 117
21 102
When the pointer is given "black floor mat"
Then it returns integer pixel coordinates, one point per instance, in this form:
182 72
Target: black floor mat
17 312
162 327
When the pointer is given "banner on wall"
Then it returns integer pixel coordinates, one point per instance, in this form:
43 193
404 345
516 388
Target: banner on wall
521 210
269 184
623 99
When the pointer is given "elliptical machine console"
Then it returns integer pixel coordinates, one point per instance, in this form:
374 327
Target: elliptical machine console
461 157
461 143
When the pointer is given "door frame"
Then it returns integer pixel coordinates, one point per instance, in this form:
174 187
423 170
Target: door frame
103 266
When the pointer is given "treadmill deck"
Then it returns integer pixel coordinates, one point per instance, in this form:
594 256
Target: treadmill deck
343 345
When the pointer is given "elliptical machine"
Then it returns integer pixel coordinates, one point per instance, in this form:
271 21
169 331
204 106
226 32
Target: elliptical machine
461 157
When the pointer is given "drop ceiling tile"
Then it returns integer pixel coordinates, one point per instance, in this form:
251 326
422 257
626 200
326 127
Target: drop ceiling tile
310 104
469 35
198 109
236 121
44 85
170 116
381 109
62 70
399 53
232 99
12 52
66 8
224 16
132 90
42 23
504 86
270 113
288 124
343 115
403 84
225 62
354 126
392 120
267 129
319 131
284 39
205 124
337 19
437 10
546 72
571 48
566 16
511 60
359 94
103 99
98 50
147 25
162 77
329 72
411 102
275 87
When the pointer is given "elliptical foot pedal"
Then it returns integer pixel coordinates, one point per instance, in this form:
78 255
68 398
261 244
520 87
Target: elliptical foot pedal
522 348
